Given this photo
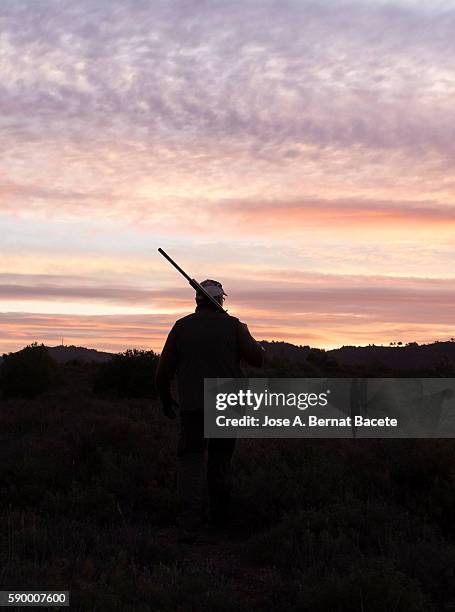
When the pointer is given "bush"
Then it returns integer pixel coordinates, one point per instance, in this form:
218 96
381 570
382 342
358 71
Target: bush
128 374
28 372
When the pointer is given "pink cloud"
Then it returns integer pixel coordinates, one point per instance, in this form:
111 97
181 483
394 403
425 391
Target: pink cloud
114 333
323 309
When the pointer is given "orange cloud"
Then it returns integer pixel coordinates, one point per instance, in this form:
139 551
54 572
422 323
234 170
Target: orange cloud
116 333
338 215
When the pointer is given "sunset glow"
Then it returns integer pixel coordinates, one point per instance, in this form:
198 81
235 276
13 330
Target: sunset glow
301 153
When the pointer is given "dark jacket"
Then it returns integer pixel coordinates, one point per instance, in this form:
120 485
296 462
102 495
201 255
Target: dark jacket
205 344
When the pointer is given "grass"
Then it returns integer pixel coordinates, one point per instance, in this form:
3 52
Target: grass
88 504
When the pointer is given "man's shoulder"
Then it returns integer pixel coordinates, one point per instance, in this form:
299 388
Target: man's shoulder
186 319
196 316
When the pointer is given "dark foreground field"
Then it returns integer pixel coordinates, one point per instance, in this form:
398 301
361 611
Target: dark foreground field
88 504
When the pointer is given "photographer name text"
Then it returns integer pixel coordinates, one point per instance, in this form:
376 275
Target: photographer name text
299 421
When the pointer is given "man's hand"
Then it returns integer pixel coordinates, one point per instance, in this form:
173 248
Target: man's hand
167 406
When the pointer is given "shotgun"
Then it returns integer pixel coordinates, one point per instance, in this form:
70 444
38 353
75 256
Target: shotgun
196 286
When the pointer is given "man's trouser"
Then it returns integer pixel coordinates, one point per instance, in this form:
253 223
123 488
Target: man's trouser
191 451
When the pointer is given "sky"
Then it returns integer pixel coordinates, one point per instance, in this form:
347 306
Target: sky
302 153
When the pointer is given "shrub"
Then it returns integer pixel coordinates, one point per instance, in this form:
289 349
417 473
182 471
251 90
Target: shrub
128 374
28 372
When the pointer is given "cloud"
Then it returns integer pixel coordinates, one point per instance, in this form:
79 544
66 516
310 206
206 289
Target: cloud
143 90
116 333
250 137
329 309
110 332
278 215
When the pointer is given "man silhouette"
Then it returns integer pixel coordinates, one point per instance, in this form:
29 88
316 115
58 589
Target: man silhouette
205 344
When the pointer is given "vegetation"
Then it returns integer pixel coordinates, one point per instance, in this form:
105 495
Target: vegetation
88 504
128 374
28 372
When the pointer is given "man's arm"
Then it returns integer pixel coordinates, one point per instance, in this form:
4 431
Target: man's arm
165 371
250 350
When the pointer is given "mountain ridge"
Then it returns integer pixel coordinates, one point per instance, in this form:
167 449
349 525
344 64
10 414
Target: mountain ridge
411 356
407 357
63 354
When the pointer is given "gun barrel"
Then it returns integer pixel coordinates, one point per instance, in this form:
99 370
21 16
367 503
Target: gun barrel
196 286
172 262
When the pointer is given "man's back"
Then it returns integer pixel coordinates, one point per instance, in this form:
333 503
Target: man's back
205 344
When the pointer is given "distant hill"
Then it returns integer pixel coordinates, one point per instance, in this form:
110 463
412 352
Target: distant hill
285 350
409 357
62 354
